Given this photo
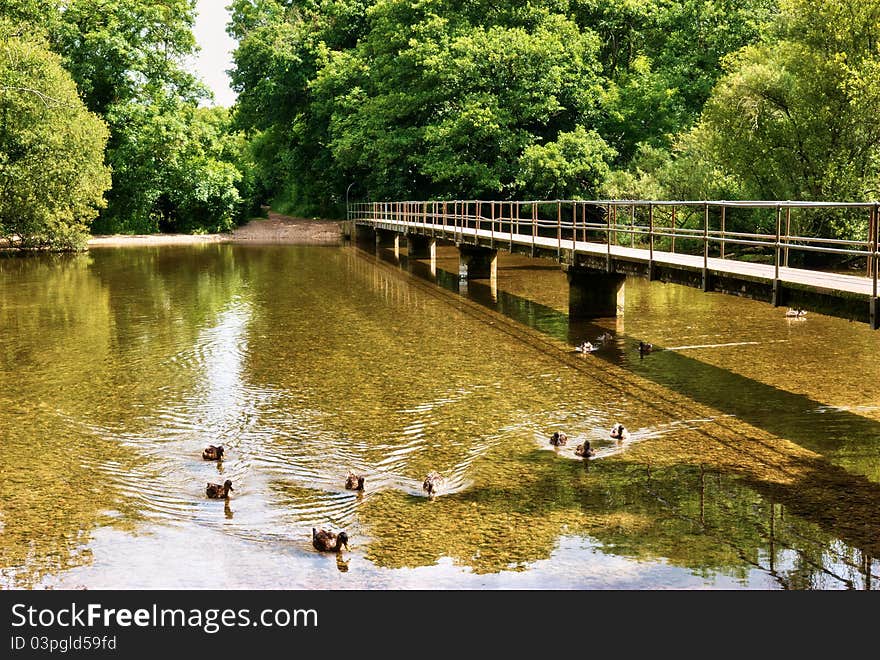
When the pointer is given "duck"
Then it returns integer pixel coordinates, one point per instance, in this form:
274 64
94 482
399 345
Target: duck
354 481
586 347
558 439
796 313
585 450
217 492
325 541
619 432
212 453
433 483
605 336
645 347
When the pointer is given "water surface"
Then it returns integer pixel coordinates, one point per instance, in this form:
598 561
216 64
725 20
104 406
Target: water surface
754 460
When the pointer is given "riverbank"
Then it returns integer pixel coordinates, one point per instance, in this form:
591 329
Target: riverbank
277 228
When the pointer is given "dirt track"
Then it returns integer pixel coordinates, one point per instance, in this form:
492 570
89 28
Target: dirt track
286 229
276 228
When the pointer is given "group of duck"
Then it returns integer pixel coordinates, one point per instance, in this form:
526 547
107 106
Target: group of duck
559 439
589 347
322 539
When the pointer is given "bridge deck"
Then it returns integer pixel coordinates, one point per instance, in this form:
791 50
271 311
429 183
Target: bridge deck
853 284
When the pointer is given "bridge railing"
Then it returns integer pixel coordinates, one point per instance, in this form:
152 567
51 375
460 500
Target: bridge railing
707 228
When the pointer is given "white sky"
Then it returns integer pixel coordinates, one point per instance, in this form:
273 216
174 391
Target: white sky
215 57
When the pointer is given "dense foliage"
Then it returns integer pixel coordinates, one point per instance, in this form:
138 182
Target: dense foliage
396 99
52 172
171 168
441 98
174 166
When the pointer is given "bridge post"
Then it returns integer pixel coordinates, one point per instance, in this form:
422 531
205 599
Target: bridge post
421 247
873 266
594 294
477 262
706 281
651 274
386 238
777 283
363 234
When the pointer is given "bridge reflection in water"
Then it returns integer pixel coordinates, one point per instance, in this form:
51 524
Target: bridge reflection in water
798 455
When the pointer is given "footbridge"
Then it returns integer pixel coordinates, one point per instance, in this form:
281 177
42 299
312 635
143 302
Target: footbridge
702 244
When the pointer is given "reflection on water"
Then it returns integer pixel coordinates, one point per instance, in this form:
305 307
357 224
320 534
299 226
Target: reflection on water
754 460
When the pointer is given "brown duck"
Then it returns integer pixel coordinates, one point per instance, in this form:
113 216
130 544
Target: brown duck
328 541
585 450
218 492
354 481
432 483
558 439
212 453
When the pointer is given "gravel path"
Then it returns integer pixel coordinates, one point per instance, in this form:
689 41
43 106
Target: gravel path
276 228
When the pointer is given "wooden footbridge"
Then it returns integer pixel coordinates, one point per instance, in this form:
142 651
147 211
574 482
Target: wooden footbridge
598 243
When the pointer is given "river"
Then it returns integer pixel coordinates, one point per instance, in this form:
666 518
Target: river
753 460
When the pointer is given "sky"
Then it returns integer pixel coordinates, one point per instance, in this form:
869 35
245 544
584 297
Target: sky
215 56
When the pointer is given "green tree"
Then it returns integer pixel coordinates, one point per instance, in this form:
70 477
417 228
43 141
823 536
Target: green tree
795 117
661 59
439 98
52 171
281 47
169 168
29 13
572 167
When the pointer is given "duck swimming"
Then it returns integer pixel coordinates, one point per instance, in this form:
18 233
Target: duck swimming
325 541
585 450
432 483
619 432
645 347
605 336
586 347
796 313
354 481
558 439
212 453
217 492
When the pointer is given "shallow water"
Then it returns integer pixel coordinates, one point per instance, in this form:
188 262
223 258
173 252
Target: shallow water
754 460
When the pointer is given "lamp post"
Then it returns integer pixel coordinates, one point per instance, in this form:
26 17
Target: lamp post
347 211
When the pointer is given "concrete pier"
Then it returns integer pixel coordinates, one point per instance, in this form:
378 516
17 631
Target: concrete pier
386 238
477 262
421 247
594 294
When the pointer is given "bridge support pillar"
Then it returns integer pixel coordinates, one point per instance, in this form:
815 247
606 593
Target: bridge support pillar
421 247
476 262
874 313
594 294
364 234
386 239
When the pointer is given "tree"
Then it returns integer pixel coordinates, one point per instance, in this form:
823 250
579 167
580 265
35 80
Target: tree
168 171
52 172
572 167
795 117
661 59
438 98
